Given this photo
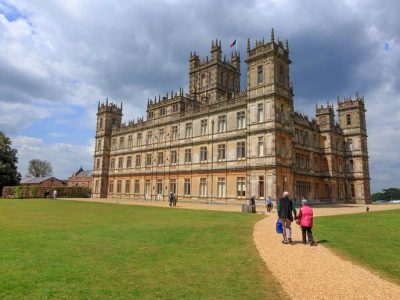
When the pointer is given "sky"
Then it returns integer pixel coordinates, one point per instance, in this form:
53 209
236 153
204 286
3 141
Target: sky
59 58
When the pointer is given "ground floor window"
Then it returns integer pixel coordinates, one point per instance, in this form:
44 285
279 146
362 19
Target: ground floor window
127 186
147 189
261 187
303 190
172 186
241 187
353 191
203 187
111 187
137 187
159 187
119 186
221 187
187 187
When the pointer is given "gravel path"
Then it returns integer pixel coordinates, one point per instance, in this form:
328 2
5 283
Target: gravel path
316 272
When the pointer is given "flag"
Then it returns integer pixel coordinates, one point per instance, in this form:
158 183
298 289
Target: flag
233 43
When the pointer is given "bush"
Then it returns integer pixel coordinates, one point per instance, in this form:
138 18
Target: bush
18 192
34 191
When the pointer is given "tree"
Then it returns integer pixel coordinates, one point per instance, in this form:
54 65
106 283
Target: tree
40 168
8 163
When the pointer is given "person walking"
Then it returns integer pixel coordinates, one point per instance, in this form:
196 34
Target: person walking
54 194
170 199
306 222
175 199
268 203
286 212
253 200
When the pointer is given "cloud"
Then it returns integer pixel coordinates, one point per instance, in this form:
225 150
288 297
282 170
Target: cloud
74 53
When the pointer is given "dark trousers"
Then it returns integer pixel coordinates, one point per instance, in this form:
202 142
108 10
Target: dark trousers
307 230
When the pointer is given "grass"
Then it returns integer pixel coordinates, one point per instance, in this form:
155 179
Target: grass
68 250
371 239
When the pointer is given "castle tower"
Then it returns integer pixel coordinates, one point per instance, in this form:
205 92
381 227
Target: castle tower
352 122
109 115
270 107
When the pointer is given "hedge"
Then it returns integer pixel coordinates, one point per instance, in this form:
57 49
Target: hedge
22 191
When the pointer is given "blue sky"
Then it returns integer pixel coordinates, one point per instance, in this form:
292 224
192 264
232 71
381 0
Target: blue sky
59 58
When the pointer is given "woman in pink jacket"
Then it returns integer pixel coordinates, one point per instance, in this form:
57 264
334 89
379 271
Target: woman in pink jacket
306 221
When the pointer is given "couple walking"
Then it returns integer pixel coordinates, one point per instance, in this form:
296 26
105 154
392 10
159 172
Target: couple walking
287 212
172 199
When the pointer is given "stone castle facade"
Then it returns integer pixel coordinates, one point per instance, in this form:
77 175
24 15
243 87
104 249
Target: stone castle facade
219 143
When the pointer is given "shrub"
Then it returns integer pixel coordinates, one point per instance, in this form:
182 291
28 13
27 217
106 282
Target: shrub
34 191
18 192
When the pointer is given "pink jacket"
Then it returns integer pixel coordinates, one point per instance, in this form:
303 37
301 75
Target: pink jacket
306 216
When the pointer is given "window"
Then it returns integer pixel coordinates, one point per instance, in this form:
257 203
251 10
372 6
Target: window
111 187
203 127
121 142
112 163
348 119
96 186
203 154
120 162
221 187
113 144
119 186
260 146
175 107
151 115
188 130
160 158
174 157
137 186
261 186
148 159
129 162
127 186
203 187
349 145
130 141
139 139
221 123
353 191
137 161
174 134
221 151
241 187
149 137
172 186
188 156
97 164
260 112
283 147
187 187
241 120
101 124
161 135
241 150
259 74
98 145
351 166
162 111
159 187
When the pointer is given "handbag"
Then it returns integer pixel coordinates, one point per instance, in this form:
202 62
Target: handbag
279 227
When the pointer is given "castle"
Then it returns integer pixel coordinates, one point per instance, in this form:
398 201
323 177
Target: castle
219 143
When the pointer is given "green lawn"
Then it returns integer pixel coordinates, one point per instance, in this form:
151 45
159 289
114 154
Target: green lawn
66 250
372 239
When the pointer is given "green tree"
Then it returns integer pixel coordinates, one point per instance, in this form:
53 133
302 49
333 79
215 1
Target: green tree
40 168
8 163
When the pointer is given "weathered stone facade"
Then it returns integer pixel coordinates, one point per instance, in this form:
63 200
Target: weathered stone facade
218 143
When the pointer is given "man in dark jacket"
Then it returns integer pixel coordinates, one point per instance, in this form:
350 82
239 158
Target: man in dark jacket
286 210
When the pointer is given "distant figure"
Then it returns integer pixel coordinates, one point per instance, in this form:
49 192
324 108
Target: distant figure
46 194
175 199
171 199
268 203
54 195
306 221
253 200
286 211
367 209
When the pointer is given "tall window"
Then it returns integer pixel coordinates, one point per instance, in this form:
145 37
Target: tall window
348 119
349 145
119 186
203 187
203 154
127 186
241 150
221 123
188 156
137 161
96 186
101 124
137 186
129 161
175 107
161 134
111 186
113 144
98 145
221 187
174 157
97 164
260 112
149 137
241 187
353 191
351 166
160 158
162 111
174 133
139 139
172 186
120 162
203 127
241 120
159 187
130 141
261 186
121 142
221 151
112 163
148 159
259 74
260 146
188 130
187 187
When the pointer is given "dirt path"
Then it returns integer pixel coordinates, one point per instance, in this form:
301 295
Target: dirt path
316 272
